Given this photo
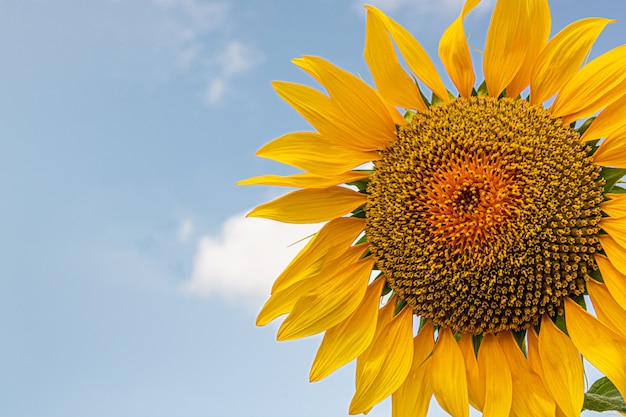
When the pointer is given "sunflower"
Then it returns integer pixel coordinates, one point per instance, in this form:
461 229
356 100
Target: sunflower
465 262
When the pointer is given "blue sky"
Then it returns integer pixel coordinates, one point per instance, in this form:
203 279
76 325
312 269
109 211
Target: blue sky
129 281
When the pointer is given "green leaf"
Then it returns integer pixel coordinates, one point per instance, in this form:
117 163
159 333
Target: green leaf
611 176
603 396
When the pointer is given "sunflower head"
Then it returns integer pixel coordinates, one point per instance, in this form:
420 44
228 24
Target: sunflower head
487 216
483 214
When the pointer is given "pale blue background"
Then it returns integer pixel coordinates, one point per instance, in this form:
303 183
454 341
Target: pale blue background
123 127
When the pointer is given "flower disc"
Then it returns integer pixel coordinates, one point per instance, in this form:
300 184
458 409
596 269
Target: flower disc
483 214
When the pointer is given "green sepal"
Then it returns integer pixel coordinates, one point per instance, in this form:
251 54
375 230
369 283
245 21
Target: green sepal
596 275
362 239
603 396
559 322
434 100
408 115
520 338
580 300
482 89
360 184
359 212
399 306
451 96
422 323
476 341
583 128
611 176
618 190
593 144
386 290
426 101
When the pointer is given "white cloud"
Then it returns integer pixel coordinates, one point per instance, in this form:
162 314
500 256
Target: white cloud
245 258
233 60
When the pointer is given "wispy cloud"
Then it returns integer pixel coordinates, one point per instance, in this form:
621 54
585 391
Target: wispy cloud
232 61
189 22
185 230
200 35
442 8
242 261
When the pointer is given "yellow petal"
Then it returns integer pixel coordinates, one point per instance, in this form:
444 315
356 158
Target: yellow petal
603 348
314 153
616 228
414 54
615 281
282 302
538 34
386 364
507 39
475 383
615 206
325 116
534 360
385 315
312 70
562 56
305 180
607 309
595 86
348 339
448 375
413 397
609 120
330 242
612 151
615 253
359 103
455 55
330 303
396 116
562 368
393 83
311 205
310 279
498 384
530 397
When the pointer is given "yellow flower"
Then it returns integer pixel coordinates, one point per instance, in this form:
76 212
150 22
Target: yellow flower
486 220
